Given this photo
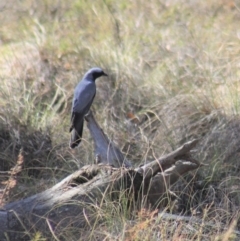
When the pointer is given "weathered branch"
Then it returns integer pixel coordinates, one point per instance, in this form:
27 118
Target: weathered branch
150 169
105 150
76 200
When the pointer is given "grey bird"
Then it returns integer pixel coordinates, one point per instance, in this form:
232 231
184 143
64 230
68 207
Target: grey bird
84 94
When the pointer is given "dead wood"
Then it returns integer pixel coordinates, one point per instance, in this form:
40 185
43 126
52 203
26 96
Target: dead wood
77 200
105 151
166 161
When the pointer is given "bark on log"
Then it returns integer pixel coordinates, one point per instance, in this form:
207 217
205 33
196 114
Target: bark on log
76 200
105 150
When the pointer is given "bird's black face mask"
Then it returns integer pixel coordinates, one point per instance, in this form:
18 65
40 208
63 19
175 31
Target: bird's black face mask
98 74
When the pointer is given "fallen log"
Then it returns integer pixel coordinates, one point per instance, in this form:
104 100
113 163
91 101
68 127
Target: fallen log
75 201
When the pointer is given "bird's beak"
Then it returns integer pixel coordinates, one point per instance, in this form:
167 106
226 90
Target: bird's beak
105 74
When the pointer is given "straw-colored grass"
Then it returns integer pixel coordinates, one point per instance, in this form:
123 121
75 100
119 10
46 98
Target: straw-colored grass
173 68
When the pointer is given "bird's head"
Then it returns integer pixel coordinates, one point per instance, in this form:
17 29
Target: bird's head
95 73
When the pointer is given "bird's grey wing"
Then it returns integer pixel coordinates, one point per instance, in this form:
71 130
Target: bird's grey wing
83 96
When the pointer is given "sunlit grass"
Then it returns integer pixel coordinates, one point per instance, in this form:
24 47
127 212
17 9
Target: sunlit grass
174 65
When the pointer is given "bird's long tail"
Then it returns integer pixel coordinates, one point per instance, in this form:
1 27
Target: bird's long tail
76 135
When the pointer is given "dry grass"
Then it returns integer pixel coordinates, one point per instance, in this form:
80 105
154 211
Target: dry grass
173 75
